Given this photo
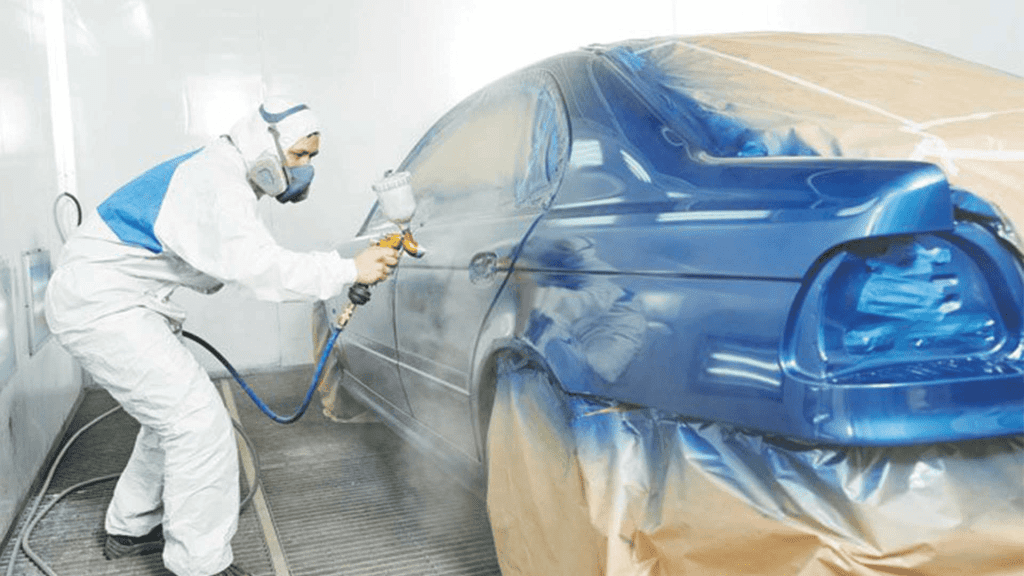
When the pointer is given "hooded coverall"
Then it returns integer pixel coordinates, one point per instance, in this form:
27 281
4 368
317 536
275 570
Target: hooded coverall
191 221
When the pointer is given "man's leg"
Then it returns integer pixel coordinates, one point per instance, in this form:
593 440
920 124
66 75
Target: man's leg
136 512
147 369
137 506
200 485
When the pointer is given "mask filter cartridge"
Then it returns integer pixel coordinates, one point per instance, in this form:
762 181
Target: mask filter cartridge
299 178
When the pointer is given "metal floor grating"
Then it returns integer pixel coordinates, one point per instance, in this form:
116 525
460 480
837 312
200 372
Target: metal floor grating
343 499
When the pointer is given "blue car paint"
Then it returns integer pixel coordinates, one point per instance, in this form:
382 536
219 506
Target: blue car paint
765 236
713 133
737 242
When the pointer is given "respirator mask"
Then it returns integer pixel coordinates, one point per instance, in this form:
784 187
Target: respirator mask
269 173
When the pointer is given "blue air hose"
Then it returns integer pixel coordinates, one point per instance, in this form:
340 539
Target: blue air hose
252 394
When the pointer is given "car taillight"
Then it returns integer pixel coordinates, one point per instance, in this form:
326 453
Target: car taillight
905 309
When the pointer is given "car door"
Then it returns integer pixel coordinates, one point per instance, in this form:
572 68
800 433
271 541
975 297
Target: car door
368 343
482 176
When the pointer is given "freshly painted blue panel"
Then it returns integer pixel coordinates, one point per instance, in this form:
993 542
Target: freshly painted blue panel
828 300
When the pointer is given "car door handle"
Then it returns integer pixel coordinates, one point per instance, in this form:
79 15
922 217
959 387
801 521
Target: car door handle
483 267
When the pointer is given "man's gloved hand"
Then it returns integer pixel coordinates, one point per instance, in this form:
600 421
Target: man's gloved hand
374 264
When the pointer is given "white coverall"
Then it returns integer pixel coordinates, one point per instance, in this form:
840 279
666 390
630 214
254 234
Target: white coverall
189 222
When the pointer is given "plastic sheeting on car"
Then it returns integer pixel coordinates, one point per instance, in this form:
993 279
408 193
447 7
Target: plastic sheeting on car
579 486
850 95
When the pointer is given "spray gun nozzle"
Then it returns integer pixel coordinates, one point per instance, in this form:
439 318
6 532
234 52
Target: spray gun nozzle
411 246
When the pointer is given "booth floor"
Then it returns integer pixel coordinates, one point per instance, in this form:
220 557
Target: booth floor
337 499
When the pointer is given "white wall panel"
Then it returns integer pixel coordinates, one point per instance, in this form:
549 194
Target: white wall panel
38 396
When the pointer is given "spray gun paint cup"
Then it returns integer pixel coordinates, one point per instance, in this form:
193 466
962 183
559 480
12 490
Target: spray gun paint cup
399 203
396 197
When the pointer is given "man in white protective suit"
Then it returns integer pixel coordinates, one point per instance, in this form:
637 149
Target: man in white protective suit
190 221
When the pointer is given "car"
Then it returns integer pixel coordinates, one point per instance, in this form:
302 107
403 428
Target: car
647 228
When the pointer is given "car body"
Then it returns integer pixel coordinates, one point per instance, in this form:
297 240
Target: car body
588 216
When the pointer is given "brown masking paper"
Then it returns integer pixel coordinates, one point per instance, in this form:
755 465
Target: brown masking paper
583 487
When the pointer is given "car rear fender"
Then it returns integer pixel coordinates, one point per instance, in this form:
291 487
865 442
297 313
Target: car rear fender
709 346
752 219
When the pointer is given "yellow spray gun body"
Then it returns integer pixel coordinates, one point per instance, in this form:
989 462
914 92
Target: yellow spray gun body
401 240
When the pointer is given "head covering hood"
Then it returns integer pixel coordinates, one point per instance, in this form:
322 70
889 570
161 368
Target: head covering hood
252 136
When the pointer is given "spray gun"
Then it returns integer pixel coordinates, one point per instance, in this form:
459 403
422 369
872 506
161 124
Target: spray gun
398 203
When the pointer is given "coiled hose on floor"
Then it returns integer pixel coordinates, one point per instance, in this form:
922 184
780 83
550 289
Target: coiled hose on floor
34 517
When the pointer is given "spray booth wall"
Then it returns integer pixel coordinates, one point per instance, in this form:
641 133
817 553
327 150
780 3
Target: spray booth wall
93 92
38 381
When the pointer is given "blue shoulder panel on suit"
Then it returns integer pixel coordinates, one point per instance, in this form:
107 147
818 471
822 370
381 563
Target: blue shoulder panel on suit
131 211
